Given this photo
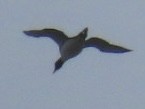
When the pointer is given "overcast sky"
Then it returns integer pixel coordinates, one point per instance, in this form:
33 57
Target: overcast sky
92 80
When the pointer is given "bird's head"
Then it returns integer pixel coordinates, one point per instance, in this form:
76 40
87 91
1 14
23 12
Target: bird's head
83 33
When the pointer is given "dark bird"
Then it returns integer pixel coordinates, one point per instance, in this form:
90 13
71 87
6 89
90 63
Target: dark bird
71 47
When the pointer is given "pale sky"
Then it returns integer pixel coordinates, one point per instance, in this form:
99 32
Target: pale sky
92 80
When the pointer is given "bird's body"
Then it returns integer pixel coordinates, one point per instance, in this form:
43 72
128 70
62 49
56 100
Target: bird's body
71 47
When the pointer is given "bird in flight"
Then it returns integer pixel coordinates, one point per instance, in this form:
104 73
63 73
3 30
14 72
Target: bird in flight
71 47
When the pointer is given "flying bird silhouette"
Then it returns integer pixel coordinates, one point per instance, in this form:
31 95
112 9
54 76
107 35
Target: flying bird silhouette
71 47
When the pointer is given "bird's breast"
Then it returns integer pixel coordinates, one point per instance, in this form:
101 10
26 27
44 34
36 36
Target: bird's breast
71 48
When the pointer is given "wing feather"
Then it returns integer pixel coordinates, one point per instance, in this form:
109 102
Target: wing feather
105 46
58 36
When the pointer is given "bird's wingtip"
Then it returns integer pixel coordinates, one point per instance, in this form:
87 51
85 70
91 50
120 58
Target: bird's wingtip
128 50
33 33
26 32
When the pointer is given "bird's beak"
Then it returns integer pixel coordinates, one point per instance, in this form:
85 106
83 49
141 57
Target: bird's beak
85 30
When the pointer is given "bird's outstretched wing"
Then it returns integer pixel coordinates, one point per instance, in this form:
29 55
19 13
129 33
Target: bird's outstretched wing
58 36
105 46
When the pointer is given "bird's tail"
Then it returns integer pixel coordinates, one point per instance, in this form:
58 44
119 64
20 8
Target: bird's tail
58 64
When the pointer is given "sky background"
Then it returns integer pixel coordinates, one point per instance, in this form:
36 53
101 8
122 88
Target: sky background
92 80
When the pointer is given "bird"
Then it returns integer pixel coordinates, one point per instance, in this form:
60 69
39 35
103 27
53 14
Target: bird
70 47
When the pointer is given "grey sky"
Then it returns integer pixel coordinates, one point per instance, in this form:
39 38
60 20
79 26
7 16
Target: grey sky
92 80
